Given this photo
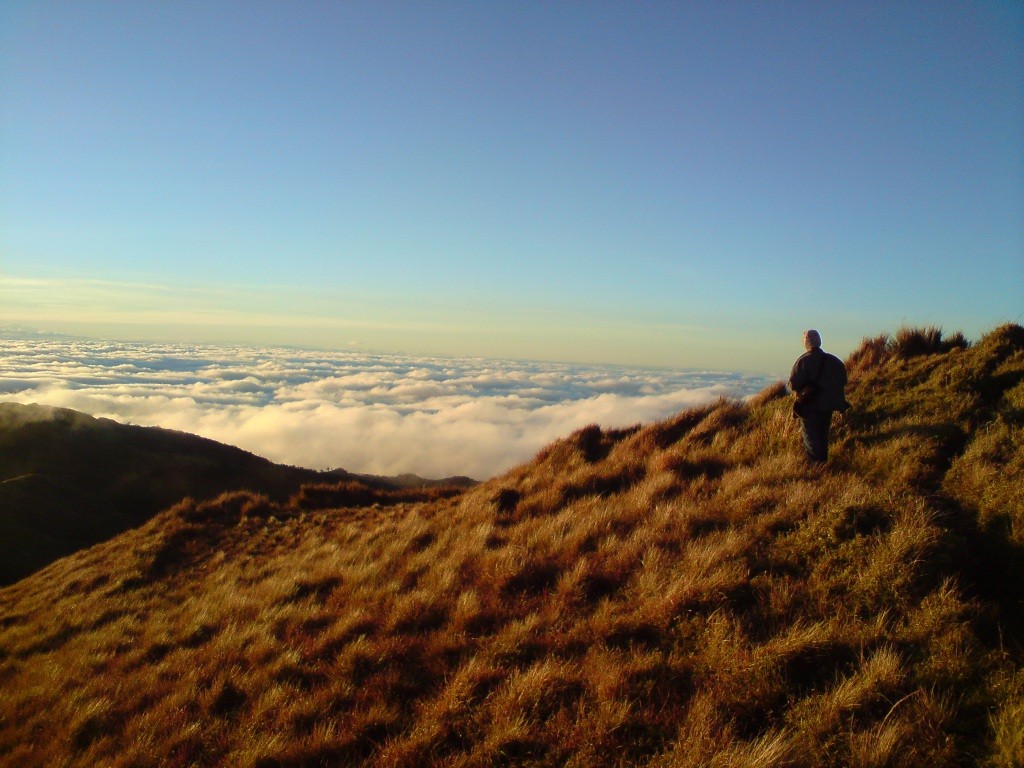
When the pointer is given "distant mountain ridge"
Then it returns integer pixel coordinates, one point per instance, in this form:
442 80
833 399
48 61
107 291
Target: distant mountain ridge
69 480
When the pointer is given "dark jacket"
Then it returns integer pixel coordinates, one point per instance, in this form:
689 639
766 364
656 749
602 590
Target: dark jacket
831 383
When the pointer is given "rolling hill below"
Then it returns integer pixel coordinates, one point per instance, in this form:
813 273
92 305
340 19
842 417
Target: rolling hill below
686 593
68 480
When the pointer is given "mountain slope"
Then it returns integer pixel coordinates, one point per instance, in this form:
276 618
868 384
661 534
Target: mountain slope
68 480
687 593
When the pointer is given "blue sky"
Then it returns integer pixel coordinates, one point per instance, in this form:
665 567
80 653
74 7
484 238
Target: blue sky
669 184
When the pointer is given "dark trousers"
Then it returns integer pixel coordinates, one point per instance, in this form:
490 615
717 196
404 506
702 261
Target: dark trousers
815 429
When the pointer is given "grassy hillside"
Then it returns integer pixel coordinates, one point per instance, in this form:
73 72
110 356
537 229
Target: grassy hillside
686 593
68 480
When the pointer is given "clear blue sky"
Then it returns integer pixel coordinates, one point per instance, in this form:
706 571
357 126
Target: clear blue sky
680 184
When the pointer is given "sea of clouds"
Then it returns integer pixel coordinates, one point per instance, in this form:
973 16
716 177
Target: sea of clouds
374 413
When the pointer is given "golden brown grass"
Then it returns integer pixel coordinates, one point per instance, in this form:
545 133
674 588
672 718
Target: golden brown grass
687 593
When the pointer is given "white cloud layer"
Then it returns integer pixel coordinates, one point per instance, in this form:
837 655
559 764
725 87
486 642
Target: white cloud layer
382 414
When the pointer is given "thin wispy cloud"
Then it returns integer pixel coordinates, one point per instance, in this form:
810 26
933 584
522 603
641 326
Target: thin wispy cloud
365 412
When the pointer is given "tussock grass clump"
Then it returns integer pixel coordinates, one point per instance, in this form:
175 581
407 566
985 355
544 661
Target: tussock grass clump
686 593
906 343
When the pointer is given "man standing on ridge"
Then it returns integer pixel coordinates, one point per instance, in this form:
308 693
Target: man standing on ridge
818 379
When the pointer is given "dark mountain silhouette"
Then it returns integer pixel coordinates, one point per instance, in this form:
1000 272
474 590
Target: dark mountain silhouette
68 480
